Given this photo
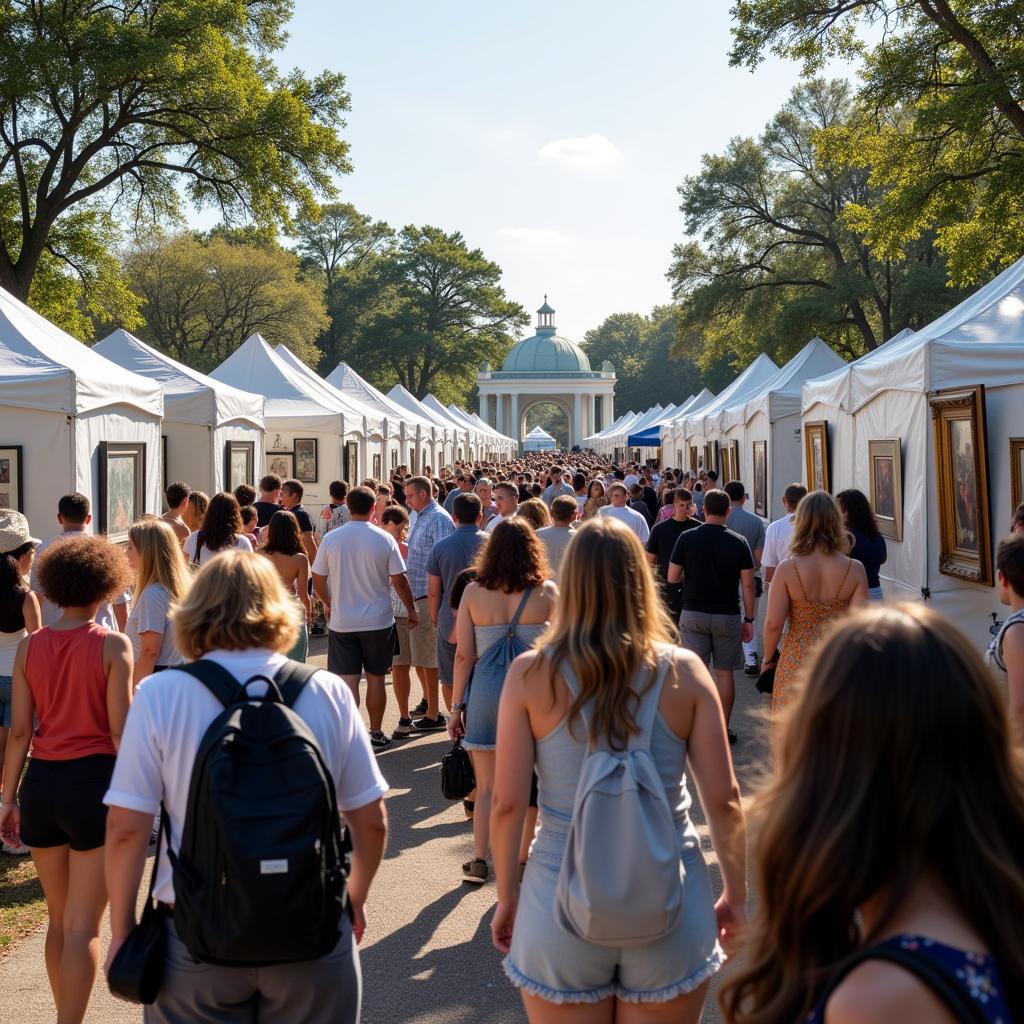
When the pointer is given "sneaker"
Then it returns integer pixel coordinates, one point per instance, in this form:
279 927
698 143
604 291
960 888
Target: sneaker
425 724
378 740
17 851
733 738
404 728
420 710
317 629
475 871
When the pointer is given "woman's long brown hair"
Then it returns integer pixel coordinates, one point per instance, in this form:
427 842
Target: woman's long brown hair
895 763
607 621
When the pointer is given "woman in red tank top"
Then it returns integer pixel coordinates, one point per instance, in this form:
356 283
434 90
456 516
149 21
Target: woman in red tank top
74 680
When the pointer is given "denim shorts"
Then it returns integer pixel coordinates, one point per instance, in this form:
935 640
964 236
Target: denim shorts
548 962
6 689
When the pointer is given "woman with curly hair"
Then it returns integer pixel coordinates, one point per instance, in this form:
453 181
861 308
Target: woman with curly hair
221 529
535 512
500 617
891 840
74 680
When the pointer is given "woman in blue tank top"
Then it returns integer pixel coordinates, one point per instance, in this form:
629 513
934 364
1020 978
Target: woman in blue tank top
891 852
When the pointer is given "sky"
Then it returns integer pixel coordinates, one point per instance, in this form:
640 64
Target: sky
552 135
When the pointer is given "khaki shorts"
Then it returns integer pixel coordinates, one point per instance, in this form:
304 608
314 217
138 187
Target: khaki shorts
402 657
423 639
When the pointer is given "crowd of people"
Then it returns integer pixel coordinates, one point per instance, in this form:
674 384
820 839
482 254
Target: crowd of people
568 620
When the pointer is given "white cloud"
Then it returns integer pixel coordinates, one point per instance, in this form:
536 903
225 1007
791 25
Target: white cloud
537 237
581 151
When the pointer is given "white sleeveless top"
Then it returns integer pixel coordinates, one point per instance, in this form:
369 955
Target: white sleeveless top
8 648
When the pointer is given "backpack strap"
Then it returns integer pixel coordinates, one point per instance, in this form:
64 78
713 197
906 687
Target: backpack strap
936 978
217 679
519 611
648 709
291 677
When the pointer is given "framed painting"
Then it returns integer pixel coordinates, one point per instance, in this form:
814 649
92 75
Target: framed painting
163 463
122 487
886 458
377 467
694 459
394 459
281 464
239 461
306 463
961 463
12 489
760 484
278 444
1016 472
352 462
817 456
733 461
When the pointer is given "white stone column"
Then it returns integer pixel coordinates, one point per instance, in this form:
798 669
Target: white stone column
499 417
483 407
577 419
514 431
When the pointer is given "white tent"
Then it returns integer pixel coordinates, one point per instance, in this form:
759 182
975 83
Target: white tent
452 442
459 427
674 451
64 409
538 440
505 446
885 395
491 443
209 427
308 433
772 416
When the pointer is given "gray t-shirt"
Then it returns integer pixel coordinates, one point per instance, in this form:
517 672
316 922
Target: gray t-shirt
750 527
556 540
149 615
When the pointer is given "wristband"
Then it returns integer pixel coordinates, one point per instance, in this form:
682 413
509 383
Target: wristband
461 706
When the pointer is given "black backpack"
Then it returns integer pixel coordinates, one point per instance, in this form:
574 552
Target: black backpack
259 876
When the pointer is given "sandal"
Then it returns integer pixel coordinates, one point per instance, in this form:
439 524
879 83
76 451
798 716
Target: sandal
467 806
475 871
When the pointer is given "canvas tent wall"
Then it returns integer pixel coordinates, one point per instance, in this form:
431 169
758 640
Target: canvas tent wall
451 444
675 453
458 425
599 442
539 440
59 402
202 417
295 411
504 446
493 445
885 396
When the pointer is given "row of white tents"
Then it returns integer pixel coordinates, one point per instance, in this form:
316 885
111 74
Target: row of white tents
73 418
881 396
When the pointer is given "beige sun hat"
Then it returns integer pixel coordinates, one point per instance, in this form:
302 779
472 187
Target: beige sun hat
14 531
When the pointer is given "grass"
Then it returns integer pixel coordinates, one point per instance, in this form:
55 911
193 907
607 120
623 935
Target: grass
22 907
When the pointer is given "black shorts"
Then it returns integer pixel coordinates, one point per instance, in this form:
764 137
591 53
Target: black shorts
371 649
62 802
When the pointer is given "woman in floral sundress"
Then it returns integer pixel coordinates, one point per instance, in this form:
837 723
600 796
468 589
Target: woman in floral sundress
815 585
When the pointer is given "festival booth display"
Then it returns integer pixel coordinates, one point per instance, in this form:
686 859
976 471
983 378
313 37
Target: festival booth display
935 441
309 437
539 440
505 446
494 446
212 432
620 440
71 420
406 432
459 425
451 444
701 431
648 440
605 441
674 452
594 440
761 440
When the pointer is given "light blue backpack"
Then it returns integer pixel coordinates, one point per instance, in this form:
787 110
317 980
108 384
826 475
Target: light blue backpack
620 882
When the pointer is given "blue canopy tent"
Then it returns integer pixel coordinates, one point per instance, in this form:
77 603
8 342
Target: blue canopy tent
649 438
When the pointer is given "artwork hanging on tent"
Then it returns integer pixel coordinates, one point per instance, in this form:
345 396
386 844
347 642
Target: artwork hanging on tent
376 467
239 457
761 478
306 467
961 464
352 462
732 461
279 444
886 460
12 491
694 459
817 456
122 486
281 464
1016 472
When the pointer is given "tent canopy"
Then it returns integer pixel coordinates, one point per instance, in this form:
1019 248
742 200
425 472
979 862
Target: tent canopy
344 379
649 437
747 384
407 400
42 367
189 396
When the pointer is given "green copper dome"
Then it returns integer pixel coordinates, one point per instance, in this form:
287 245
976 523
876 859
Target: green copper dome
546 352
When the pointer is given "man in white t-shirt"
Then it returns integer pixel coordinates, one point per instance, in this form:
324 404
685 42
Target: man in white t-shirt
776 538
618 509
355 568
506 498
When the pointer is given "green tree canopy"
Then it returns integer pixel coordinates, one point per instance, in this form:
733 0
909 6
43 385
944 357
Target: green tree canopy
204 297
128 105
940 117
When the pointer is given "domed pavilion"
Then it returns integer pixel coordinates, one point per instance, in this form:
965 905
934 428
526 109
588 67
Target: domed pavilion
547 369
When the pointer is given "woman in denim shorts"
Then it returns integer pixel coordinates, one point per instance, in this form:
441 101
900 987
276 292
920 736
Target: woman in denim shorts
607 657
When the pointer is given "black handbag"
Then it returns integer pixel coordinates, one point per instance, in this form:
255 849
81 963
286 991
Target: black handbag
766 680
458 779
138 968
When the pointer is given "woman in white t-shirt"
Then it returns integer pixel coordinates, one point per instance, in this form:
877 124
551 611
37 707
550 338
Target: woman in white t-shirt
161 579
221 530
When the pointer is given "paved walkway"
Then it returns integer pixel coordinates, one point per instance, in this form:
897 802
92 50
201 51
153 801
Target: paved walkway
427 956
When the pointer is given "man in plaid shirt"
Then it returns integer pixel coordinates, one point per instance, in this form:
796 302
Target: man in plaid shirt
432 524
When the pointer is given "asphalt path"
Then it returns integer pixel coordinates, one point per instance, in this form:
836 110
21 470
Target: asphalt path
426 956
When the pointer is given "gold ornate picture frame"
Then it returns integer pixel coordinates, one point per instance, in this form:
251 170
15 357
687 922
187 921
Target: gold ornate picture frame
817 456
886 474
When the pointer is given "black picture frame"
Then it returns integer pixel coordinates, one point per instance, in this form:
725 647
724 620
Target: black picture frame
122 487
352 463
307 460
12 483
233 449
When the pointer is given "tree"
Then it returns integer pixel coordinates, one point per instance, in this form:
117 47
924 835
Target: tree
130 104
777 261
940 118
442 313
639 347
204 297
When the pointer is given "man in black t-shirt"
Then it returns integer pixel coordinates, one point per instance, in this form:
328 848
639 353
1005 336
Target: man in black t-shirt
712 562
662 542
291 501
269 500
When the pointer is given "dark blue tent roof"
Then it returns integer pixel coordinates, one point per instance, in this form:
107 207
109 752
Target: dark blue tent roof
649 438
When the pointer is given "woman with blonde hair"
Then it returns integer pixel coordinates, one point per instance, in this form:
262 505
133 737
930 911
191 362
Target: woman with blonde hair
161 579
195 511
891 844
606 673
535 512
816 584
